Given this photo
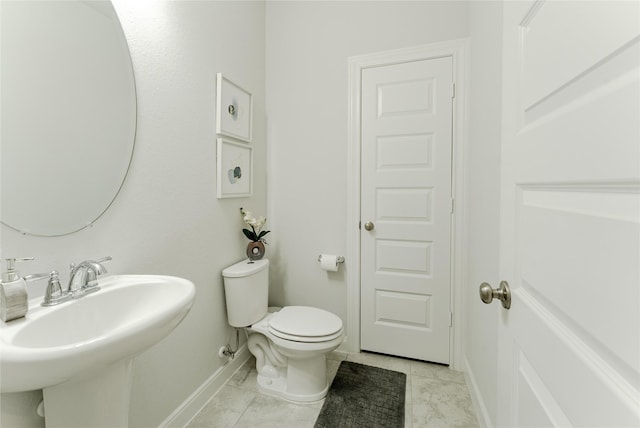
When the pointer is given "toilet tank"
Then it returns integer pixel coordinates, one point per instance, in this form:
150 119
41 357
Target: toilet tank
246 290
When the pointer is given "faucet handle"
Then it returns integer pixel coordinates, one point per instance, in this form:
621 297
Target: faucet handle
54 295
104 259
36 276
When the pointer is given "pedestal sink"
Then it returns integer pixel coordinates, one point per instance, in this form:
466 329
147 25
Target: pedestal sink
81 352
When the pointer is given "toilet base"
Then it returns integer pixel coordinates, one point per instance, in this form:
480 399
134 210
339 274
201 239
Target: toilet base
305 381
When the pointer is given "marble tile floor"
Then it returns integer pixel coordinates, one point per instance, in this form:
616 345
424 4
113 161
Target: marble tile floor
436 397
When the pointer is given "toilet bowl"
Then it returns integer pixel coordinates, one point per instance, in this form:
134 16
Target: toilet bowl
291 365
290 344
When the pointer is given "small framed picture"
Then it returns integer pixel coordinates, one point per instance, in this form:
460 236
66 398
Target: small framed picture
235 165
234 110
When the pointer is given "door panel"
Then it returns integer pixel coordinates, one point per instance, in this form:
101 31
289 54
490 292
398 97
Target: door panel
569 347
406 193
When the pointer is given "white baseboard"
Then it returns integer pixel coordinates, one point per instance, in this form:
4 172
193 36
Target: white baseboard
201 396
478 403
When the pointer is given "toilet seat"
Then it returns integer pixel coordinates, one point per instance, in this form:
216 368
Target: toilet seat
305 324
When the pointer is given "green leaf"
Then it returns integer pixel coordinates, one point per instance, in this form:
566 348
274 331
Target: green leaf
249 234
264 232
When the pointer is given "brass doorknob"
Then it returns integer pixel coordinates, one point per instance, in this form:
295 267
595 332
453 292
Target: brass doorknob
502 293
368 225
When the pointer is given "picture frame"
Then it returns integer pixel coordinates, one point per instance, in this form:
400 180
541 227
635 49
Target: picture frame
235 169
234 110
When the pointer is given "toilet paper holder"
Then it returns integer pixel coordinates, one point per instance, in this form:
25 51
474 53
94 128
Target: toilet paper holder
339 259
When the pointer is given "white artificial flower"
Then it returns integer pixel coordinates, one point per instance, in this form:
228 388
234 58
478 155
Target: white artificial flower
249 219
256 233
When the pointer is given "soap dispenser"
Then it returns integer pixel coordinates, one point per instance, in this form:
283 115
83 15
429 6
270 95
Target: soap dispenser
14 301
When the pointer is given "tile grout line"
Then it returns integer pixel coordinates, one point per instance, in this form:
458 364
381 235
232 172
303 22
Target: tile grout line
251 366
245 408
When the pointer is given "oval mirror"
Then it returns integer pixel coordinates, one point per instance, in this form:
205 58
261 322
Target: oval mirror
68 114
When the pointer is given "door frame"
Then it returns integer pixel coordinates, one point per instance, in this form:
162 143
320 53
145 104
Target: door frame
457 49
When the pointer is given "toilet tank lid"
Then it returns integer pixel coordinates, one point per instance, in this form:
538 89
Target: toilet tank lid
245 268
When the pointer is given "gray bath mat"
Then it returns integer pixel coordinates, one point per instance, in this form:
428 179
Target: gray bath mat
364 396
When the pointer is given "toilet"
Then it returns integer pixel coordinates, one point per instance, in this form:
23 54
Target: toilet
290 344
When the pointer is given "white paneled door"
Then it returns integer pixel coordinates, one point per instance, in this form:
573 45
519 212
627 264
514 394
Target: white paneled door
569 346
406 141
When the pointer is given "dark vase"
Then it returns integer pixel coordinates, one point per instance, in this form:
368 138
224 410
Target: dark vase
255 250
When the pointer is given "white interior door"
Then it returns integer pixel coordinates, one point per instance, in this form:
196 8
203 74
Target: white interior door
406 117
569 347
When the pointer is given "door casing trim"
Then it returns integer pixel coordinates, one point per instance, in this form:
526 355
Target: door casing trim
457 49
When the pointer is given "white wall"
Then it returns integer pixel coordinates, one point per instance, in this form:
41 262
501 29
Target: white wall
167 219
482 209
308 44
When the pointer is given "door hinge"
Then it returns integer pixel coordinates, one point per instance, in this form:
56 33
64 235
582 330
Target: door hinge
360 225
450 319
452 205
453 90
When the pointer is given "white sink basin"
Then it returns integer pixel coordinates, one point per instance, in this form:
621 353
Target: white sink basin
53 345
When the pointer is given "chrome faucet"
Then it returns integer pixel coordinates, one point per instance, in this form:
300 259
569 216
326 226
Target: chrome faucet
82 279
